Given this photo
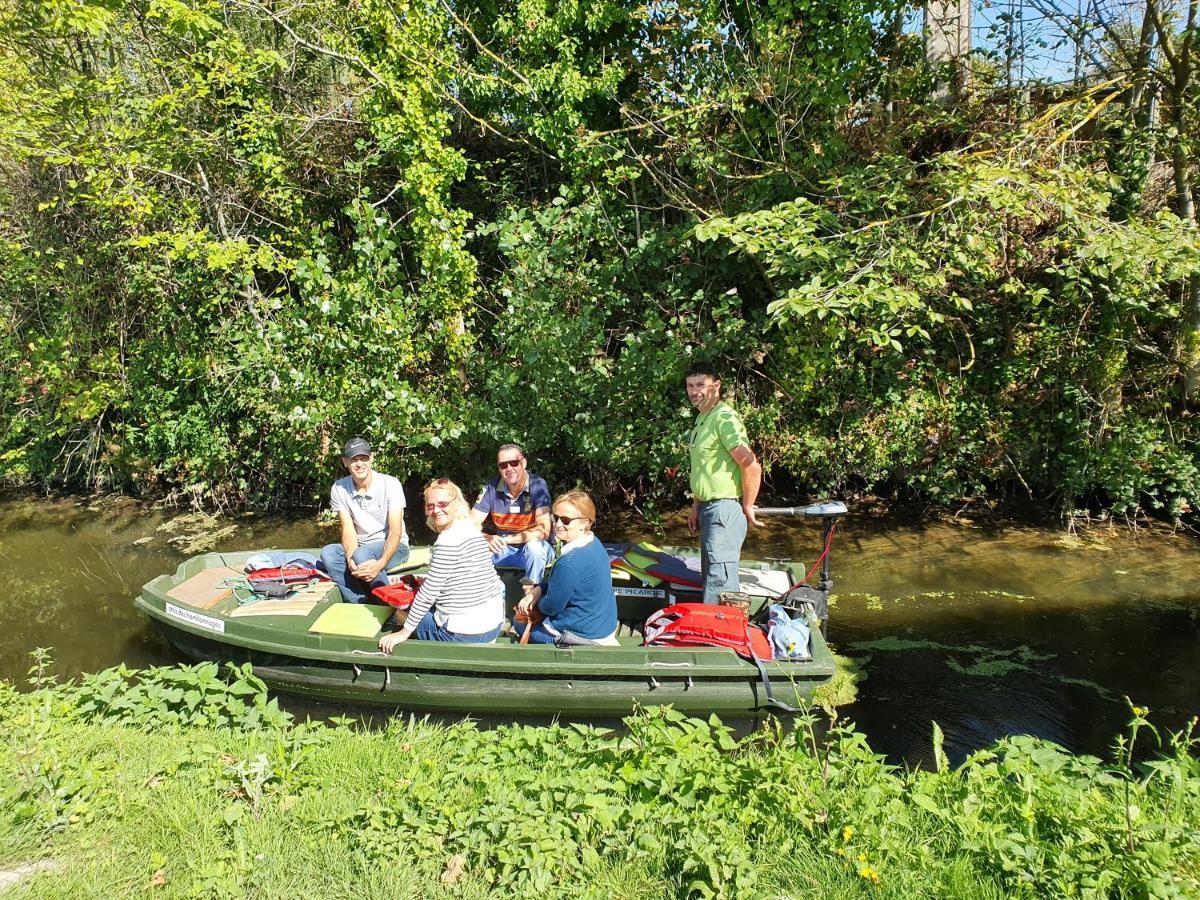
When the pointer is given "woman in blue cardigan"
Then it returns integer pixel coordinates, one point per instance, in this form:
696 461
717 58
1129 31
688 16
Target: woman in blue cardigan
576 600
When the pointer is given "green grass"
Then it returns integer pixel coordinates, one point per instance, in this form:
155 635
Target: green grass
134 799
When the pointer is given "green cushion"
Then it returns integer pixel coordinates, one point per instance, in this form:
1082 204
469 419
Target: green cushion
418 557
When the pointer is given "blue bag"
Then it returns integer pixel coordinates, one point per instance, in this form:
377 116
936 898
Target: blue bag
788 636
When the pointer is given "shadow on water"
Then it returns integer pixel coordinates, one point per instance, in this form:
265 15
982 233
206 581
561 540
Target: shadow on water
989 629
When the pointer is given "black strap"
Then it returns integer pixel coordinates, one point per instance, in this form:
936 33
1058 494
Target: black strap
762 674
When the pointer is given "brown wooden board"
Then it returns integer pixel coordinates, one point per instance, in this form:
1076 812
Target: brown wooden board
203 590
300 603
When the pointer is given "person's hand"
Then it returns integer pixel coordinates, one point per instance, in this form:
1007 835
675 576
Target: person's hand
751 518
496 543
693 519
369 570
389 642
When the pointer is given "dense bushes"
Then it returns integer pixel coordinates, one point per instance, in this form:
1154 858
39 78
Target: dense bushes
160 780
234 235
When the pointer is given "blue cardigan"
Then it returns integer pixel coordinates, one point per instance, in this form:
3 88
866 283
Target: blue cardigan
578 595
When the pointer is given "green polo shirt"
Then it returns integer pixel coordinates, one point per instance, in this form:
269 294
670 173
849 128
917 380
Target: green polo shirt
715 476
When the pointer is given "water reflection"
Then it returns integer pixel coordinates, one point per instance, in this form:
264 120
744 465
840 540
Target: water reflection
989 631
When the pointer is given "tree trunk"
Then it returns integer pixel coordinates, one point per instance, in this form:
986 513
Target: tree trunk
1185 206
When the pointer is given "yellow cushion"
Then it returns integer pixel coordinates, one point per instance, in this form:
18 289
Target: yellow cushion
352 620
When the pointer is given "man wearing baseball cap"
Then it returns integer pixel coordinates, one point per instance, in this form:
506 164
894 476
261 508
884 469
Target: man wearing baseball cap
370 507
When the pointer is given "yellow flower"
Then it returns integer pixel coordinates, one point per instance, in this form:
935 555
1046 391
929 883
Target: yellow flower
870 874
840 851
847 833
1141 711
862 857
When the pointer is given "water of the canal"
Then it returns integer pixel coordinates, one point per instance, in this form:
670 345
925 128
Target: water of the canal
989 630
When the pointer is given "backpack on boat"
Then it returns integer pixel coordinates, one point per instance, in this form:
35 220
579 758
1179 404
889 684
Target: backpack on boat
788 636
281 581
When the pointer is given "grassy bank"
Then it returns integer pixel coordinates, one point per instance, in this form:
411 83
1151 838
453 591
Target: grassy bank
178 782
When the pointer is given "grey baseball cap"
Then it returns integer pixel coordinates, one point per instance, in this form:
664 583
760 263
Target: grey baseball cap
356 447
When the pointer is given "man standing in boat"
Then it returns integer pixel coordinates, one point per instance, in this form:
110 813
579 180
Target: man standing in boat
725 478
518 503
370 508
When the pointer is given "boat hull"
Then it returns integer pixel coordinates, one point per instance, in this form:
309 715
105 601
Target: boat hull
504 678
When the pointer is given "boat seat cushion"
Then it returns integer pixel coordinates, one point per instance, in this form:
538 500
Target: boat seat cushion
351 620
417 558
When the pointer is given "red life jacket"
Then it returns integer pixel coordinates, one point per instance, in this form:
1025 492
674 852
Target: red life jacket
705 625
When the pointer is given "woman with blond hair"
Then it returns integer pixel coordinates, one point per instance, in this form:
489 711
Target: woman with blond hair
462 598
576 602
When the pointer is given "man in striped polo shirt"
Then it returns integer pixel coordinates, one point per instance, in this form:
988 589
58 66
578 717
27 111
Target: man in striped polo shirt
725 478
518 503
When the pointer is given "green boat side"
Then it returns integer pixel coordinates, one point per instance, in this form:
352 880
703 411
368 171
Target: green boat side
502 678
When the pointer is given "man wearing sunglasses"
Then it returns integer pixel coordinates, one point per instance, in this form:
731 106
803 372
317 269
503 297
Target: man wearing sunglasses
518 503
370 508
725 478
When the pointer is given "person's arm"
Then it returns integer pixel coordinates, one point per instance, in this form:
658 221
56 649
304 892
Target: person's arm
529 599
349 536
480 513
559 588
540 530
370 570
751 480
694 516
442 563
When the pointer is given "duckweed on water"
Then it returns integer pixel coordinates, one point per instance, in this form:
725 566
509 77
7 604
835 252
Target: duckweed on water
875 603
981 660
203 803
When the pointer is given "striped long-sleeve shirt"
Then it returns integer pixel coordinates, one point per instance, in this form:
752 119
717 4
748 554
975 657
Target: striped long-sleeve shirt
462 588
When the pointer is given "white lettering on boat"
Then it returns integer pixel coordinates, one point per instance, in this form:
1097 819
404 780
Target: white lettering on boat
195 618
653 593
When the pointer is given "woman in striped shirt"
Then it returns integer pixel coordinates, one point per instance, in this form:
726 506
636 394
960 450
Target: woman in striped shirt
462 598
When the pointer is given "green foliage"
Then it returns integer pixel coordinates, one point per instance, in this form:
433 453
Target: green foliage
172 696
235 234
667 806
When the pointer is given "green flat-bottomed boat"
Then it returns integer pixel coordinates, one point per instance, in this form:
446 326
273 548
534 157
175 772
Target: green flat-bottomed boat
500 678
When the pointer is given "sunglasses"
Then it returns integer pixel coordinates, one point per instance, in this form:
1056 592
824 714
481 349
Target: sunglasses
440 504
509 463
564 521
